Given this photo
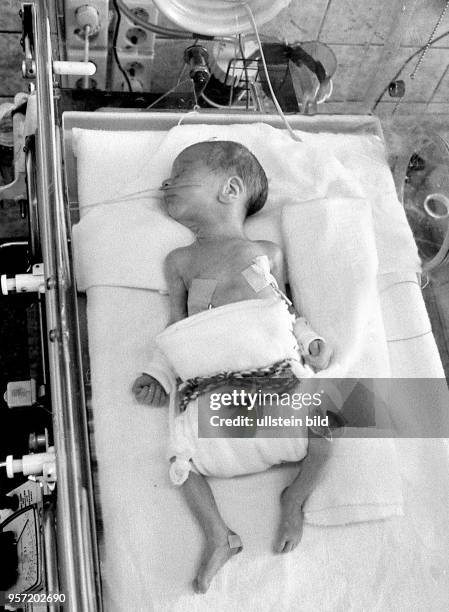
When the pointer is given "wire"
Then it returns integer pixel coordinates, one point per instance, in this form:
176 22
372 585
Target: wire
114 45
167 93
231 91
407 61
177 84
226 106
262 55
165 32
245 68
198 94
146 25
429 42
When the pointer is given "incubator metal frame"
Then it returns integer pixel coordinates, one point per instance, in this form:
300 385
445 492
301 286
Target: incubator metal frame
78 564
53 172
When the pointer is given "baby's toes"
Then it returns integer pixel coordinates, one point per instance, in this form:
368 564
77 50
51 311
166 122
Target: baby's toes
291 526
288 538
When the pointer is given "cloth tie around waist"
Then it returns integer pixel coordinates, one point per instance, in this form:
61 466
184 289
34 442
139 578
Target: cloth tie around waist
278 375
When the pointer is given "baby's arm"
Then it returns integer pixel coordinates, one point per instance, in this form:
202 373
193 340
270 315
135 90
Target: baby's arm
177 290
146 388
318 353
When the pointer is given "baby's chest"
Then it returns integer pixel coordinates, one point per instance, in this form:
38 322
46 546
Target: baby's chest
225 265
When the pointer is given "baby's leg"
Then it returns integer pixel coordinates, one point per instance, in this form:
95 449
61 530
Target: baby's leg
221 542
294 496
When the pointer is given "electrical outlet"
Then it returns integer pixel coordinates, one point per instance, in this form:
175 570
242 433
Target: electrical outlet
132 37
138 68
135 48
74 33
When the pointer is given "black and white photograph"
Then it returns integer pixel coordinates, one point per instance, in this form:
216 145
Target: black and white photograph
224 306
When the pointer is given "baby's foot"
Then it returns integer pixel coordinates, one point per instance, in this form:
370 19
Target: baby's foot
292 517
218 552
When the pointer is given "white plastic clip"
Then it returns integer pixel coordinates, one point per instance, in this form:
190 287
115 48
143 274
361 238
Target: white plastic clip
24 283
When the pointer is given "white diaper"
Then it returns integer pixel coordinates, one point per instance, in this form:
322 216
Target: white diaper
243 335
227 457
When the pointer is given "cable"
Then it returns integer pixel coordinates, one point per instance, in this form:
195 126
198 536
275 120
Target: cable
226 106
262 55
167 93
198 94
114 45
165 32
407 61
245 68
181 34
429 42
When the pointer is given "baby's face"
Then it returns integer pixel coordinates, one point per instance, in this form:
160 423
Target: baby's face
191 188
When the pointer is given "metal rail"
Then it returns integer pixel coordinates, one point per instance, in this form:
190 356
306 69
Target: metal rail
78 565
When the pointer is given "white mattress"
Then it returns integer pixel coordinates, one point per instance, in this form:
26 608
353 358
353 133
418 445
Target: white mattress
151 545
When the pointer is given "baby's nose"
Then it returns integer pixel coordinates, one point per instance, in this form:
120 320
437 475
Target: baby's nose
165 184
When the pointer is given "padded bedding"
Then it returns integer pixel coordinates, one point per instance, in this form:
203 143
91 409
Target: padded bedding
150 545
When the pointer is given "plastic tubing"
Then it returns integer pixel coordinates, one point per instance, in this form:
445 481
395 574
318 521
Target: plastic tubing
227 106
262 55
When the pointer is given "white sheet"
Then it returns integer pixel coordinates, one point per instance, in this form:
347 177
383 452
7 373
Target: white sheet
323 166
151 546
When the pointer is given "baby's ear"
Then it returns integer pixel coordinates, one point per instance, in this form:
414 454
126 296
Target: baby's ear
231 190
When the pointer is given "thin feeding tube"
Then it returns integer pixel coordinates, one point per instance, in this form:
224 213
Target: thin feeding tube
77 546
132 196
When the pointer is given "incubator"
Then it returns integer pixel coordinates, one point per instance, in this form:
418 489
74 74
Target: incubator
98 525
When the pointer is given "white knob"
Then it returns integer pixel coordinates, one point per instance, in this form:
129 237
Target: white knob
74 68
88 16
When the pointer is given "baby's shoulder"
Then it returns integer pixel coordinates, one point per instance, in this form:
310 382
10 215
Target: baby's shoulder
178 258
272 250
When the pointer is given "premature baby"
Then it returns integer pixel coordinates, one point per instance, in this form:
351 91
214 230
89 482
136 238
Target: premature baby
213 187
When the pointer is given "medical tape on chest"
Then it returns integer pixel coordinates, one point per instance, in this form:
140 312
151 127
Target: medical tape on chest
259 278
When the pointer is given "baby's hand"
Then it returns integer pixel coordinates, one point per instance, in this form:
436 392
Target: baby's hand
319 355
148 390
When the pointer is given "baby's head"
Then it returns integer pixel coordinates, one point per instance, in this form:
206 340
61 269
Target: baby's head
222 165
